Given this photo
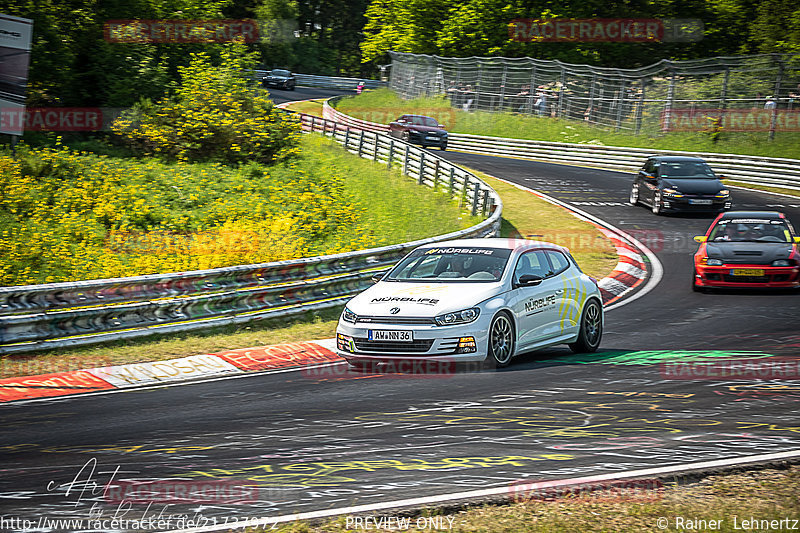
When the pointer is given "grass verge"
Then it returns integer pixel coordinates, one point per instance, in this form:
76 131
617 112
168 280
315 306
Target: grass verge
733 502
311 107
68 216
790 192
383 106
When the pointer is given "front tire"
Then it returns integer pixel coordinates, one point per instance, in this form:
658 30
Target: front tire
634 197
658 208
501 341
591 332
443 147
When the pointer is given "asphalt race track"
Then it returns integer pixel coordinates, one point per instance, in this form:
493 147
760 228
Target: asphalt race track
330 438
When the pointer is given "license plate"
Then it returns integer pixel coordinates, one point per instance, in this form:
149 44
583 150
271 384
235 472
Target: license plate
747 272
390 335
700 202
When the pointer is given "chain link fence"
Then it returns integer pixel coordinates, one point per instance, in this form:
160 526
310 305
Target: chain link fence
761 91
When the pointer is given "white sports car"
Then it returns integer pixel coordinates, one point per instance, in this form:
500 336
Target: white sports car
473 300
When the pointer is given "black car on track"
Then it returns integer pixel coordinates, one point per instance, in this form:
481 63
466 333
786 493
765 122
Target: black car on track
282 79
419 129
679 183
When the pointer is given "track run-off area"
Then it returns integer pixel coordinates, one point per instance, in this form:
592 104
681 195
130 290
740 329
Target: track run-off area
331 438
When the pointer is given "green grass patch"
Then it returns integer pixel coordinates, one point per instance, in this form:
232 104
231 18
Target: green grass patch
383 106
67 215
311 107
790 192
729 500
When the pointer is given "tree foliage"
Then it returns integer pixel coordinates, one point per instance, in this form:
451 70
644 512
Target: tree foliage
214 114
462 28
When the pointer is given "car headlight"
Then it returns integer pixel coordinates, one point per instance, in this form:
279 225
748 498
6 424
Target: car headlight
781 263
458 317
671 192
714 262
349 316
723 193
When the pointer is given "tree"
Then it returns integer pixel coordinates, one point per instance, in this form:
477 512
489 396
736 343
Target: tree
215 114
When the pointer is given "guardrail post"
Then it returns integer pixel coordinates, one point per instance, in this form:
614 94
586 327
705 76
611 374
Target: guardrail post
475 198
421 178
405 161
360 143
375 154
485 201
435 173
312 122
346 137
452 181
391 154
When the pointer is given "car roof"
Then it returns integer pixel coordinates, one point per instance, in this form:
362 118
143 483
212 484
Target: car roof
676 158
752 214
422 116
507 244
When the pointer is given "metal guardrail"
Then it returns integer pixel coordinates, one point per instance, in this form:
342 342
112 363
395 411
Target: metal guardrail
35 317
768 171
329 82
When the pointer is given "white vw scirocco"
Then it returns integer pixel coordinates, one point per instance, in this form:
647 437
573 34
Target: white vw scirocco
473 300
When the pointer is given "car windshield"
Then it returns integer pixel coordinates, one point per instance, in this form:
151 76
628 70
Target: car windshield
447 264
423 121
284 73
751 230
685 170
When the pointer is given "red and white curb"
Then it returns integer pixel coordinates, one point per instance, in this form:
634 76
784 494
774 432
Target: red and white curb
274 358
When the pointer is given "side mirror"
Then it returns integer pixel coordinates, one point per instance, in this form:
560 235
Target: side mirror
722 176
797 240
700 238
377 277
529 280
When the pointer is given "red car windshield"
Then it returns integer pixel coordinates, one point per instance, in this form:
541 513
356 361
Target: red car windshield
751 230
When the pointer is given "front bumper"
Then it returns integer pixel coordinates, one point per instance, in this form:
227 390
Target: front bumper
430 343
722 276
426 139
690 203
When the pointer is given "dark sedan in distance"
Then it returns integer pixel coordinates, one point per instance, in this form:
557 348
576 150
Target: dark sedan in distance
750 249
679 183
282 79
419 129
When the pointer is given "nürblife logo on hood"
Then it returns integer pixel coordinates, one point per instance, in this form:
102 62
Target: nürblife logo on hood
407 299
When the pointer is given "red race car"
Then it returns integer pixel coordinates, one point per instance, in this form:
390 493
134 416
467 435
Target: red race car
747 249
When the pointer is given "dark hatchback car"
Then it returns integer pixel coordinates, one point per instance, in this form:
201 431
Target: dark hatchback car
679 183
419 129
282 79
